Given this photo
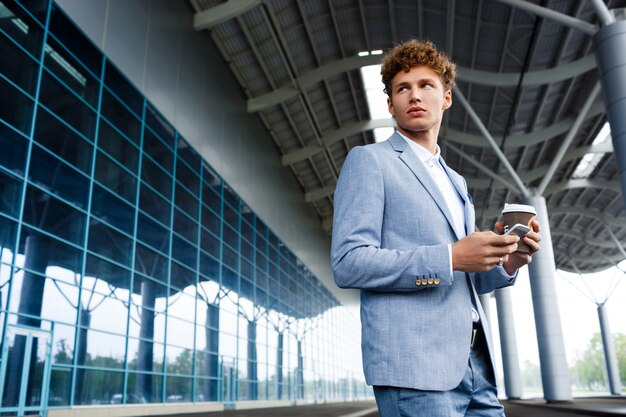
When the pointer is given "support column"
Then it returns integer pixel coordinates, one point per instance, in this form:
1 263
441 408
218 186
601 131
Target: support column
513 385
609 45
212 334
300 373
81 354
554 371
145 354
612 369
279 366
252 361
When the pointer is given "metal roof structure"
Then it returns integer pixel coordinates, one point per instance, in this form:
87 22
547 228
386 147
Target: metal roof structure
527 105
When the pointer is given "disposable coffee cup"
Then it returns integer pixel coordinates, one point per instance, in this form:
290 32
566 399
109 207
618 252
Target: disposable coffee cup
518 213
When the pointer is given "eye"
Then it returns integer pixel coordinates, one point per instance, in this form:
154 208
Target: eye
402 89
427 85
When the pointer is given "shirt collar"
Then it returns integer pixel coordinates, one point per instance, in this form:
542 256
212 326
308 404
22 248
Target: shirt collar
422 153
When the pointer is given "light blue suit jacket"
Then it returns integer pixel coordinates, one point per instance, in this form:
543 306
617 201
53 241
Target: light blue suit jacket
392 229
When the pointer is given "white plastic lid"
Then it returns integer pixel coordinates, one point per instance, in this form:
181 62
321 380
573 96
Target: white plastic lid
518 207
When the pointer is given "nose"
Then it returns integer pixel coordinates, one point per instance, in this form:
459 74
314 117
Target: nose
415 95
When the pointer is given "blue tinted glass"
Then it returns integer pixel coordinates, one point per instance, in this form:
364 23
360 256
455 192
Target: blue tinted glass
181 277
184 252
47 251
230 279
189 155
247 250
150 263
187 177
67 105
247 231
155 205
209 266
186 202
246 289
17 66
123 89
210 243
211 221
247 269
114 275
15 108
71 72
231 198
8 228
156 177
57 177
115 178
55 217
211 199
157 150
231 217
110 208
10 193
230 236
77 43
102 393
111 141
57 137
14 147
160 126
153 233
21 27
185 227
230 258
120 117
109 243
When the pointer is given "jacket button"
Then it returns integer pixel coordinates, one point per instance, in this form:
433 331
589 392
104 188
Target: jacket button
424 281
436 281
430 281
418 282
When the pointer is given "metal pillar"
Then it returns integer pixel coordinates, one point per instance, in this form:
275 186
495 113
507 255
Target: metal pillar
252 362
612 369
212 334
609 45
145 353
513 385
554 371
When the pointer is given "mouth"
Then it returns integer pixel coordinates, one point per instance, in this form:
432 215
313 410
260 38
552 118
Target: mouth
415 111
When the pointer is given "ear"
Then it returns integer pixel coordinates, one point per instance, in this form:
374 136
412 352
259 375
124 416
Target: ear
447 99
390 107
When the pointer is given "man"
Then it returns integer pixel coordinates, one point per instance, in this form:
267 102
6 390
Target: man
403 233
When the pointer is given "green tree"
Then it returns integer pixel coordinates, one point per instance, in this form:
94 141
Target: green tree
589 370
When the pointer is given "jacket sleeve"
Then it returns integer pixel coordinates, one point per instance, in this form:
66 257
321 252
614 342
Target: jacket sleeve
357 258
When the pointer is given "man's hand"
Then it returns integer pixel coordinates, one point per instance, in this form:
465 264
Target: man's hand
519 259
482 251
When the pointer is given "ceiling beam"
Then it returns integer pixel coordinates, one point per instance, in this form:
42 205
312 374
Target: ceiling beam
318 194
213 16
495 79
550 14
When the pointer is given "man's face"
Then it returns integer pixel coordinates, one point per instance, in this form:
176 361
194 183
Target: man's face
418 100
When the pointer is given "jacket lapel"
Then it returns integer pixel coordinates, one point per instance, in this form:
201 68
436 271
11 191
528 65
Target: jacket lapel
419 170
461 188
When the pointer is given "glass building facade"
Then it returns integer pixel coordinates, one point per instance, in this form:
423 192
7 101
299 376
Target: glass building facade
130 271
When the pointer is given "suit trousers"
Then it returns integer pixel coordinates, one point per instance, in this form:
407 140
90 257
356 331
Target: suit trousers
475 396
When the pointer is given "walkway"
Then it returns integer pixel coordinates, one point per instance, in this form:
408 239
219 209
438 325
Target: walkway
596 406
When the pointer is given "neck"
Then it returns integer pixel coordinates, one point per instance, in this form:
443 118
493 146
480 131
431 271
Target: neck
426 139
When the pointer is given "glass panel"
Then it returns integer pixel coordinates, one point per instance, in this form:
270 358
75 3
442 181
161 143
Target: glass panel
181 277
14 147
187 177
184 252
15 108
17 66
231 237
111 141
153 233
22 28
150 263
10 194
57 137
179 333
187 202
144 388
211 221
148 296
210 243
112 209
46 212
185 227
156 177
65 104
231 217
42 252
116 278
99 387
189 155
209 266
60 386
178 388
155 205
103 350
64 30
120 117
8 228
109 243
231 197
123 89
115 178
157 150
71 72
160 126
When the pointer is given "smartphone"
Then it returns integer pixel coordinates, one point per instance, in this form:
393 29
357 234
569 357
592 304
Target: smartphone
518 229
